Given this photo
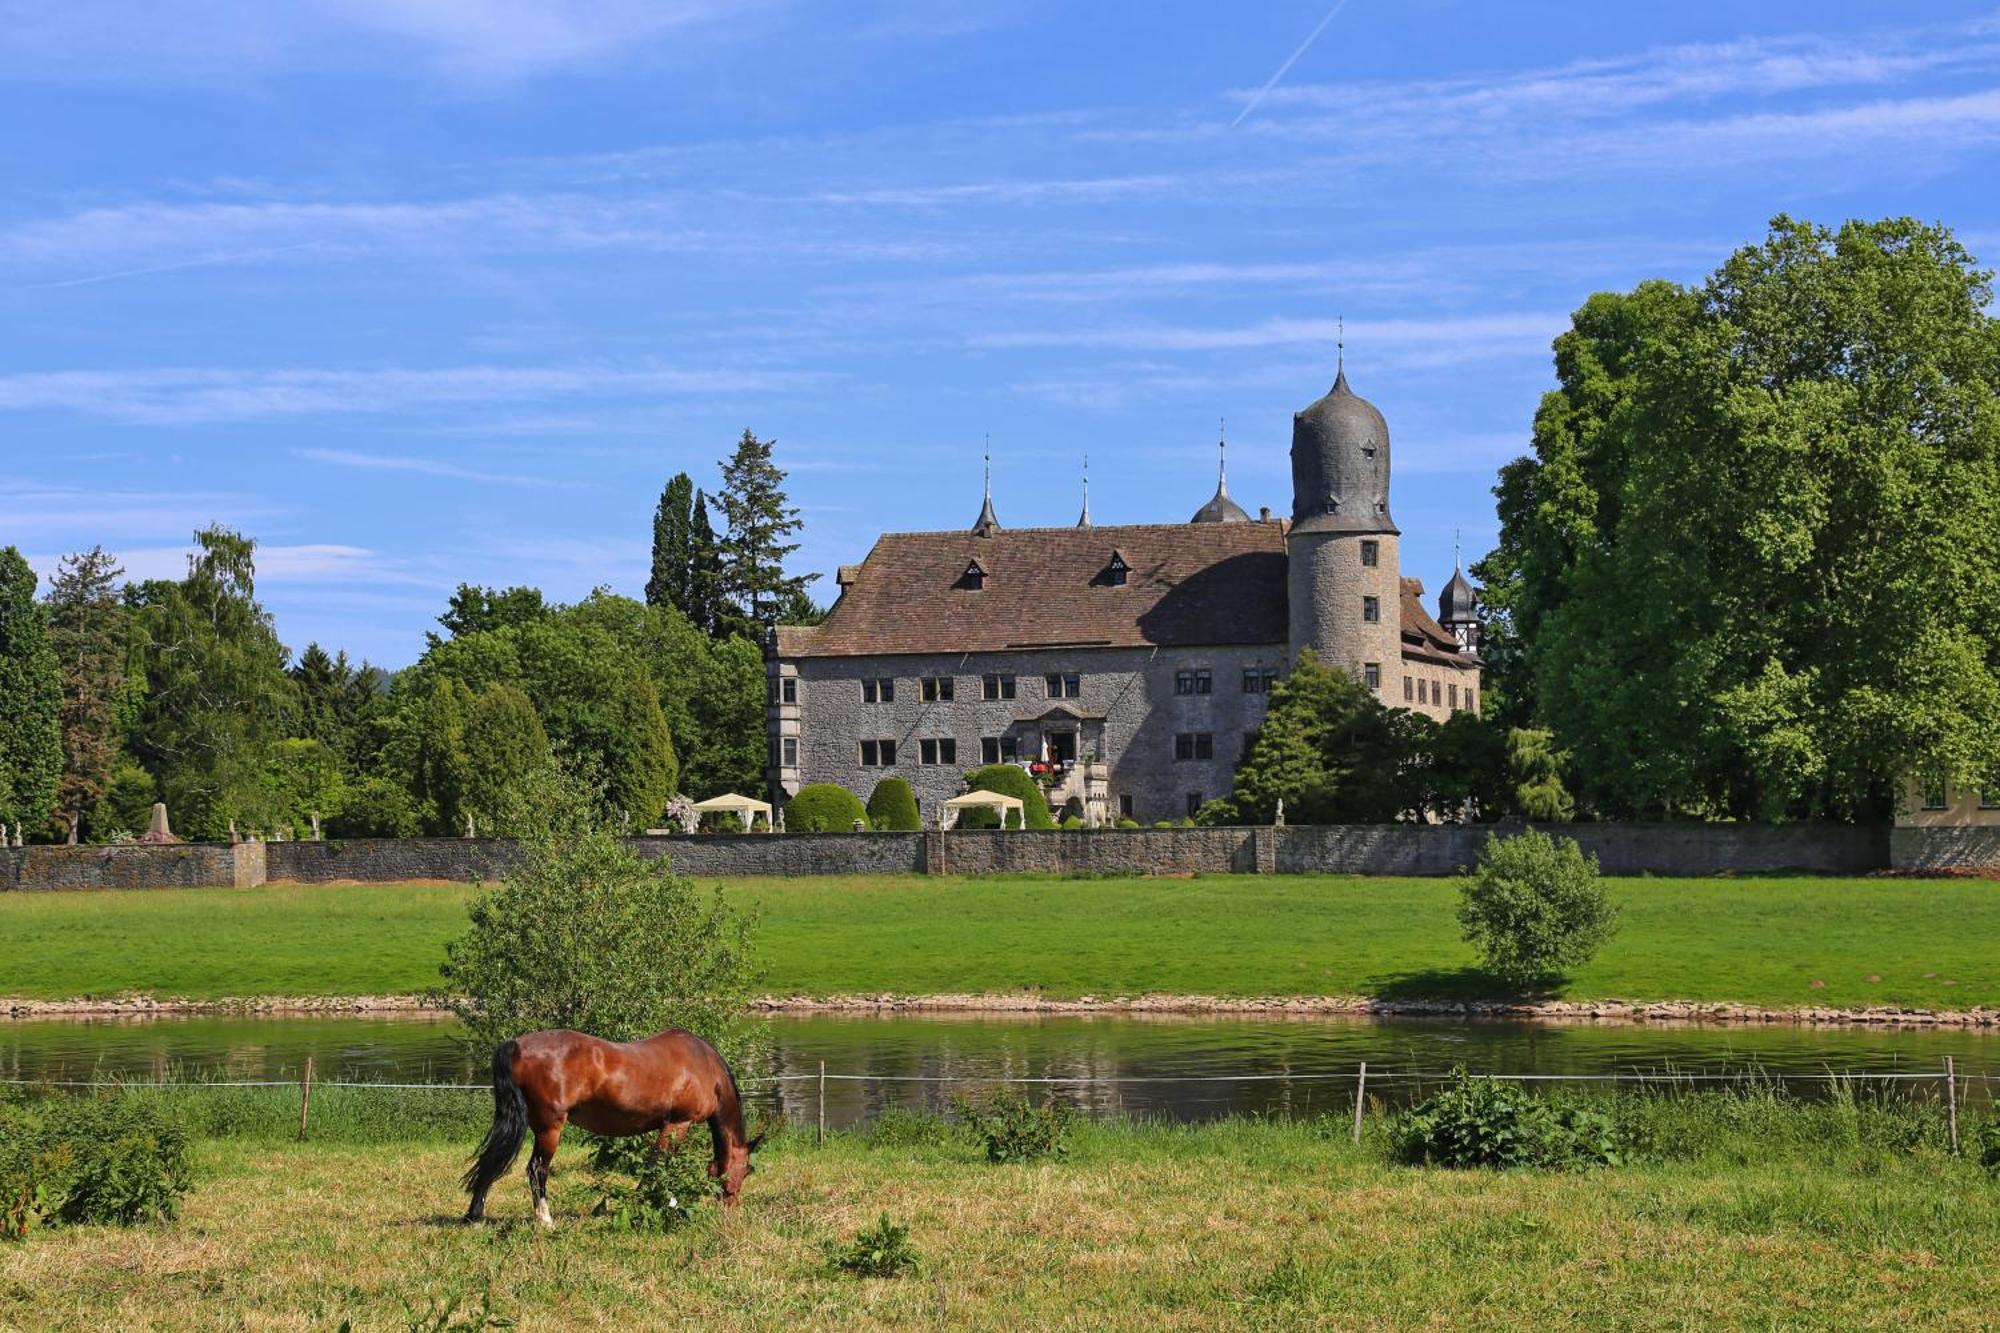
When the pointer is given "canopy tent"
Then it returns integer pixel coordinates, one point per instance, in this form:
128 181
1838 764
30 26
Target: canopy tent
985 800
743 807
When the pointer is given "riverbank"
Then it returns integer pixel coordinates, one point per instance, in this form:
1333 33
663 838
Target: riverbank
1846 947
1030 1006
1751 1213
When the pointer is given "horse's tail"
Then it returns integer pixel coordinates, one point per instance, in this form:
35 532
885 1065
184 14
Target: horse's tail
510 1124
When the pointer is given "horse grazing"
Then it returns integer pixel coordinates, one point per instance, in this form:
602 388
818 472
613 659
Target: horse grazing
661 1084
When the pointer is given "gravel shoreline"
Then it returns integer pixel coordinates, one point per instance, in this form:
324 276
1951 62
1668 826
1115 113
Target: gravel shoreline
1600 1011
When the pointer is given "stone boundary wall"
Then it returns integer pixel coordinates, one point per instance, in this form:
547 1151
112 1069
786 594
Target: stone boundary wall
1390 849
1974 847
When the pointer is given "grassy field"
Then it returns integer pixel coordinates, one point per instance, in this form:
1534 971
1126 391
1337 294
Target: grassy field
1769 1216
1772 942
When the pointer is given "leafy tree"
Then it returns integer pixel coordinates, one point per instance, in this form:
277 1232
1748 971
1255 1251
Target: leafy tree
798 608
443 770
1753 567
87 634
671 581
758 521
1008 780
584 933
476 610
1533 907
216 692
824 807
1330 751
31 684
1467 772
127 806
503 743
1535 769
376 807
892 807
305 781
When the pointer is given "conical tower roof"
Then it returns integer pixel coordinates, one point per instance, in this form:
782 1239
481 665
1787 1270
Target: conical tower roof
1340 464
1220 508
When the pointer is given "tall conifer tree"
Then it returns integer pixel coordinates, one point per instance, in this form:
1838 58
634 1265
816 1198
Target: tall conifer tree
31 754
759 520
87 633
672 575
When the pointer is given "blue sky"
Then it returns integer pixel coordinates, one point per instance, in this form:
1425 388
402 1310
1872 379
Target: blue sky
433 291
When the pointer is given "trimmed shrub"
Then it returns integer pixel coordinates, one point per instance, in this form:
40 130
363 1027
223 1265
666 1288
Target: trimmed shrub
1534 908
1491 1123
1017 1130
884 1250
824 807
88 1160
1008 781
892 807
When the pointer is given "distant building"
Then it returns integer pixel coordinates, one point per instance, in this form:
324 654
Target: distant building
1133 661
1935 802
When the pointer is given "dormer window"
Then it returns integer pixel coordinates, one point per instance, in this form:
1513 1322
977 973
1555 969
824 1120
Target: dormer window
1117 571
974 578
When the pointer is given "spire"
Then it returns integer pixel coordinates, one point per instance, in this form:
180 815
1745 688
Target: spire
987 524
1340 355
1220 508
1083 521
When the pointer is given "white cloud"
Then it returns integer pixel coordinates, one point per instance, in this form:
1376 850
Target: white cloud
427 467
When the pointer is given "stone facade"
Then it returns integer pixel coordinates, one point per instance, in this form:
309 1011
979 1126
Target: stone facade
178 866
1333 589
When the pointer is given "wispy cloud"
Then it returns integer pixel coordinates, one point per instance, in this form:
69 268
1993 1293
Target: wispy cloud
1251 103
1468 335
428 467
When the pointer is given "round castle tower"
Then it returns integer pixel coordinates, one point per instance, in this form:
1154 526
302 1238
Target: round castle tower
1344 567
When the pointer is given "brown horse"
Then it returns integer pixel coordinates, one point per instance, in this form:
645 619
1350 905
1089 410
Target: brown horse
661 1084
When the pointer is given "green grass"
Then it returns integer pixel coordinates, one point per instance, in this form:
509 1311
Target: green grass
1753 941
1762 1213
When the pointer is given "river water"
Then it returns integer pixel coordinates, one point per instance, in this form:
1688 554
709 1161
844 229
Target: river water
1175 1067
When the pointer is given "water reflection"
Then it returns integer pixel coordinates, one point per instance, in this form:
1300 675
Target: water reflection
1188 1067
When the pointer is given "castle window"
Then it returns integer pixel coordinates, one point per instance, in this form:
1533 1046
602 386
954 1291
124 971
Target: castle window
1194 804
1934 790
1192 746
1471 704
1409 688
997 687
878 689
938 689
1124 805
974 577
878 754
1193 681
943 750
1371 554
788 689
1064 685
1454 696
1115 572
999 750
1259 680
1371 675
791 752
1371 610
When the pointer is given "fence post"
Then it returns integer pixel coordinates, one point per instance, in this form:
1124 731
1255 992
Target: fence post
305 1098
1951 1100
819 1135
1360 1095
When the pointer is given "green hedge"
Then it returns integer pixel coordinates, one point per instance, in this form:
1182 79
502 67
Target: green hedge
1008 781
72 1161
824 807
892 807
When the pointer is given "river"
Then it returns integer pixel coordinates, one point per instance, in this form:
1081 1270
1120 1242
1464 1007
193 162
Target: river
1184 1068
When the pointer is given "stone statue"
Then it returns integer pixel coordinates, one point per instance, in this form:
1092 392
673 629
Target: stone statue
469 832
316 836
158 823
1279 820
781 819
234 836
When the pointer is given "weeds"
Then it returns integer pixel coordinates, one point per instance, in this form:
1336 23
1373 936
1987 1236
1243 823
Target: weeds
1015 1129
883 1250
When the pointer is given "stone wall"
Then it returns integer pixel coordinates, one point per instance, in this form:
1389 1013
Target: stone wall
1621 849
1102 851
386 860
188 865
1972 847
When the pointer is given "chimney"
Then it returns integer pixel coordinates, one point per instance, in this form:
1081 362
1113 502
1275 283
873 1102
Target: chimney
1263 513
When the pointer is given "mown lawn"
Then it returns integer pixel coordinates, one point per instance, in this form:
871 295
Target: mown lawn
1933 943
1240 1224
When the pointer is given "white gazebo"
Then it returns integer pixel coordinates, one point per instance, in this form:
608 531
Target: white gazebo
743 807
985 800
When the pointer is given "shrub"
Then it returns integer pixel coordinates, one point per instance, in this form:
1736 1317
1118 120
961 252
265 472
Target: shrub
1008 781
1487 1122
824 807
1988 1142
585 933
637 1191
374 808
898 1127
883 1250
1015 1129
78 1161
1534 908
892 807
1127 823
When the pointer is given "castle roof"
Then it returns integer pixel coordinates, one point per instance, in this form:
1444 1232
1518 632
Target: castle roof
1185 585
1459 601
1340 464
1423 638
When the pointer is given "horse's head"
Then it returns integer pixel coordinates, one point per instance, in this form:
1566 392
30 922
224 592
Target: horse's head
733 1166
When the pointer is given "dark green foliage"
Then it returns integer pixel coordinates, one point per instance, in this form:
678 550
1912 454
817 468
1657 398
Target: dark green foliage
31 684
758 524
640 1191
504 742
1986 1142
475 610
892 807
1536 772
705 582
87 635
1752 567
1534 907
1015 1129
127 806
339 704
671 579
375 808
899 1127
304 780
883 1250
584 933
1493 1123
824 807
88 1161
1007 780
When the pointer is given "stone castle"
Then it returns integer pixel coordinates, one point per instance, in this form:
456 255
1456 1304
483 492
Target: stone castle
1129 666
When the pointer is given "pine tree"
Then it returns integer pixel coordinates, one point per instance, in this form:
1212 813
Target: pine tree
31 751
758 521
87 633
672 577
704 606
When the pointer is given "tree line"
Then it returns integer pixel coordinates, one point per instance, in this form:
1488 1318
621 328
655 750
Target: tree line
121 693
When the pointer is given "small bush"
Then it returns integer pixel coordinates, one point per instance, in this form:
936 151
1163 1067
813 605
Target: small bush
1488 1122
1127 823
1008 781
824 807
1988 1144
898 1127
82 1161
639 1192
1015 1129
892 807
883 1250
1534 908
